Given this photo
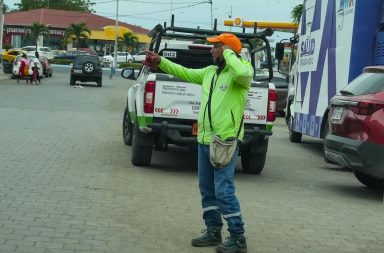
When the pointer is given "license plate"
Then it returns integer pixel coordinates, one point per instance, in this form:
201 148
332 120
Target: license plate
194 129
337 112
77 71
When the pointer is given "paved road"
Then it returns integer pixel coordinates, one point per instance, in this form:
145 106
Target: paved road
67 184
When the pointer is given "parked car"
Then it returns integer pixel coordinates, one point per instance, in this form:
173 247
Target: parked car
139 57
43 51
121 57
356 127
47 67
281 84
8 57
86 68
70 55
31 58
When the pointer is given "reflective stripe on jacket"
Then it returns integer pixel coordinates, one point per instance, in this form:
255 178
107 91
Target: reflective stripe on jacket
229 95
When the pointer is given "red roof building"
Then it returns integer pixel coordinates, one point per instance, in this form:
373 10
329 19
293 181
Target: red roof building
16 27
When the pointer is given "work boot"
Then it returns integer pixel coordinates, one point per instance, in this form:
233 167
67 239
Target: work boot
235 243
209 237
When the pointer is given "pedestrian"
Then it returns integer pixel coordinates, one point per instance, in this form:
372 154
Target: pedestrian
23 68
113 66
225 88
35 77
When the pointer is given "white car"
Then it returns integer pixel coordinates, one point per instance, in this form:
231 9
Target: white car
31 58
43 51
139 57
121 57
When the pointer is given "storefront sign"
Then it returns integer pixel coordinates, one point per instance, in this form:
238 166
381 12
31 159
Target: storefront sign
23 30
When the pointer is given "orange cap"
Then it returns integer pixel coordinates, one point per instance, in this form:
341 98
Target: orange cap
228 39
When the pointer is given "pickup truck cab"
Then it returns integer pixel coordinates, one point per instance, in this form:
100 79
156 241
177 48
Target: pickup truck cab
163 110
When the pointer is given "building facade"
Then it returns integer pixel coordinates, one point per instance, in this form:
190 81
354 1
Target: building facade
16 30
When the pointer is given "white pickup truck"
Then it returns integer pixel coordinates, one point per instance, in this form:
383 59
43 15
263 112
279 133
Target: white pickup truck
163 110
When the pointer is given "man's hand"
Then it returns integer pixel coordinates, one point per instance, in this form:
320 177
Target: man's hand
151 59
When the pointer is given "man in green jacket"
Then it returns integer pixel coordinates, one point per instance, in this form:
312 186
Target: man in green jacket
231 78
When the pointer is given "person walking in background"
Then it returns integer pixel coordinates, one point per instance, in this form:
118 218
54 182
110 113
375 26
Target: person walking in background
113 66
23 68
35 77
225 88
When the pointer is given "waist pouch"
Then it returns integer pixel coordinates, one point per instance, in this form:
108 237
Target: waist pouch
221 152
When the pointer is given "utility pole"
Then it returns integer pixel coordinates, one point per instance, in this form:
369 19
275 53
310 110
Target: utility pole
116 31
1 23
210 1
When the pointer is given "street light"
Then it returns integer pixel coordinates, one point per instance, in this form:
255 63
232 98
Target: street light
210 1
116 30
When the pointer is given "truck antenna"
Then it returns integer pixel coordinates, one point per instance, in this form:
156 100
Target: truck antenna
173 20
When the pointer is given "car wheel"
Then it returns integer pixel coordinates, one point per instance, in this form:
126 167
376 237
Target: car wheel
141 154
72 81
369 181
127 128
88 67
293 136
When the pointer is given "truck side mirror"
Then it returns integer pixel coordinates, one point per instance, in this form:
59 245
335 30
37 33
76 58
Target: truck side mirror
279 51
128 73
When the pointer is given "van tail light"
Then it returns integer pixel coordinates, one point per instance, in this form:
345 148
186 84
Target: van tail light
366 108
149 96
272 98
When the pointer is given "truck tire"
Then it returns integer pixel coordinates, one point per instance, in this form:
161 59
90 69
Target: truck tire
369 181
293 136
127 128
253 162
141 154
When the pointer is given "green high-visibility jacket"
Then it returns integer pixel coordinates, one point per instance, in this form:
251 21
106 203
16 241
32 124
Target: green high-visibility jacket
228 98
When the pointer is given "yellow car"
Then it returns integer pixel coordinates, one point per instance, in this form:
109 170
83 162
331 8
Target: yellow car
8 57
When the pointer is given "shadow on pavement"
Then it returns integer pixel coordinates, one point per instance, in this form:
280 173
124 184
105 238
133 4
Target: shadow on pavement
358 191
175 159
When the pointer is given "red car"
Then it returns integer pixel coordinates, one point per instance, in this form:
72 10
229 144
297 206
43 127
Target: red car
47 67
356 127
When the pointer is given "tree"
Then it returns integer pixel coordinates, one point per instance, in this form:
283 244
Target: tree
72 5
36 31
296 13
129 41
76 33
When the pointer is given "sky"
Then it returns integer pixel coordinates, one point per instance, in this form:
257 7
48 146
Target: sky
193 13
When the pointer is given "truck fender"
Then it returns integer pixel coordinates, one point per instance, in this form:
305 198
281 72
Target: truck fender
131 102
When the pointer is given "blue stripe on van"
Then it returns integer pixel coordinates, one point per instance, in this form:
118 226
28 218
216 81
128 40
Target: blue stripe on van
367 21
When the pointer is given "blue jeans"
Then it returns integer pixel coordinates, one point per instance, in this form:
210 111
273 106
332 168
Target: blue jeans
218 193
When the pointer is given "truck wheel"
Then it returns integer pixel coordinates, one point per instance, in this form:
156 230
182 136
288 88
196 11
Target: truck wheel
127 128
141 155
252 164
369 181
252 161
293 136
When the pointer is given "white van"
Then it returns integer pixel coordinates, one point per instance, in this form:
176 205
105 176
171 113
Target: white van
337 40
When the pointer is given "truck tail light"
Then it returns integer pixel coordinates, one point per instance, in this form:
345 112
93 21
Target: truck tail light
149 96
272 98
366 108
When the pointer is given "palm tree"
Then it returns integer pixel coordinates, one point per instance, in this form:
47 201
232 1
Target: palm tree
296 13
77 32
37 30
129 41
